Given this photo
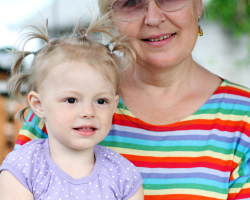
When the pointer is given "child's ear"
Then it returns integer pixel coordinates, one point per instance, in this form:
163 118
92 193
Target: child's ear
116 102
35 104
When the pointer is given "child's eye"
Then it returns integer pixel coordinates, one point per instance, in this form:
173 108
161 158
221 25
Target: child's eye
101 101
71 100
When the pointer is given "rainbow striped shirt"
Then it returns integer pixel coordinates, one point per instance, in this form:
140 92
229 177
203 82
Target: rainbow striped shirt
205 156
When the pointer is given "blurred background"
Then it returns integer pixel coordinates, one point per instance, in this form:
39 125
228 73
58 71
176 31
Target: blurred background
224 49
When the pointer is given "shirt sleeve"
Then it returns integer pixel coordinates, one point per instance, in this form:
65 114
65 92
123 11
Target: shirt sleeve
32 128
239 184
16 164
123 173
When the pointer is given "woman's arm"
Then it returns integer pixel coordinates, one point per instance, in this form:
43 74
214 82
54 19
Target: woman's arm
139 195
12 189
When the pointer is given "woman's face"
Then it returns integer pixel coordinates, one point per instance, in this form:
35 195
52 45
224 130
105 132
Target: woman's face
180 25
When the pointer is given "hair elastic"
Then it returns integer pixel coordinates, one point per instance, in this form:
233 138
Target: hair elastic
32 52
108 44
86 35
48 43
111 52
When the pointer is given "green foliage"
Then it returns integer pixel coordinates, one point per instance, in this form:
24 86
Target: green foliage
234 15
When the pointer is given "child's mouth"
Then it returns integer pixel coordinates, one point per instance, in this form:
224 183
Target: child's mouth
85 130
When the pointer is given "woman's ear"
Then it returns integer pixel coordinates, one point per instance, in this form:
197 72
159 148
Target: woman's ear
116 102
35 104
199 7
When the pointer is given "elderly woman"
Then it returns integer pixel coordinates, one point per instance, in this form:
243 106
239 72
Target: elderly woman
186 129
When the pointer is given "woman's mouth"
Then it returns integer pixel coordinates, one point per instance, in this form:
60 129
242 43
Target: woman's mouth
159 39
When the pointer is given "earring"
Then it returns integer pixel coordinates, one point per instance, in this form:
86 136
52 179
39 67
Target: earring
200 31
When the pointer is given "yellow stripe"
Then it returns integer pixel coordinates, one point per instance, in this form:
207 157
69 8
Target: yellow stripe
41 124
124 112
236 190
203 116
27 134
187 154
186 191
221 117
239 87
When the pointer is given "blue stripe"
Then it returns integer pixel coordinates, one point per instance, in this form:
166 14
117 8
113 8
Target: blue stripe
184 175
232 107
228 101
200 181
180 142
195 137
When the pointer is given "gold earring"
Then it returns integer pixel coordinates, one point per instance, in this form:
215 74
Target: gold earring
200 31
199 27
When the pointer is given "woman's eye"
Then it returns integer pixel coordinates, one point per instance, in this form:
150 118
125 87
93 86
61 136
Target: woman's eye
101 101
131 3
71 100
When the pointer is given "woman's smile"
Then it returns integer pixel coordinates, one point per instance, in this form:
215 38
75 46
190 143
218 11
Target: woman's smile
159 40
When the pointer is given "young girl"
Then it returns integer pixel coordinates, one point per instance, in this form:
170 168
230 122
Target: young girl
73 84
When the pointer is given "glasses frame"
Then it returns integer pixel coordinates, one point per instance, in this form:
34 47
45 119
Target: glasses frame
145 8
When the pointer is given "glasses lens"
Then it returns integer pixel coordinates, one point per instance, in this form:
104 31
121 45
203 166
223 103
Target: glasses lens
128 10
172 5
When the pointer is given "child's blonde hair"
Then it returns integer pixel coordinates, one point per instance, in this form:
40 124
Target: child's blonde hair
78 45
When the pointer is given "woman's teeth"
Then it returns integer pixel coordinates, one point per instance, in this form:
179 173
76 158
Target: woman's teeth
161 38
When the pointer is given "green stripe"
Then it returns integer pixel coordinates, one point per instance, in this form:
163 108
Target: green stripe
185 186
31 130
172 148
222 111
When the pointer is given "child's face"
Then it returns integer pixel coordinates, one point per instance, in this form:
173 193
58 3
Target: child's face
77 104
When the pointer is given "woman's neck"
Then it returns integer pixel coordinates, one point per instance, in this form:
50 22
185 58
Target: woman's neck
166 77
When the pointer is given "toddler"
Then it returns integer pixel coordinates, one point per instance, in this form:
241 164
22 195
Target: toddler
73 84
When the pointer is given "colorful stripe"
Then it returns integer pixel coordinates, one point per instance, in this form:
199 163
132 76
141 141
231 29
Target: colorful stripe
203 157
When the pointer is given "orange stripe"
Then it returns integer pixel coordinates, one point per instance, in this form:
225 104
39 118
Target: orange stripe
242 191
23 138
238 90
180 159
178 197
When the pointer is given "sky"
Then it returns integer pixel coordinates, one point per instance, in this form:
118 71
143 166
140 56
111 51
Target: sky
15 14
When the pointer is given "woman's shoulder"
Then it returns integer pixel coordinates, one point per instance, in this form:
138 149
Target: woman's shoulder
236 89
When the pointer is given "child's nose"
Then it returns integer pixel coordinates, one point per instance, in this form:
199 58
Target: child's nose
88 111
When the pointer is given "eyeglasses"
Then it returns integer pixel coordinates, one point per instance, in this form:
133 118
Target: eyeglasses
130 10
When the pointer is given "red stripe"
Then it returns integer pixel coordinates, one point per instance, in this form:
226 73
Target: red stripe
178 197
31 117
183 165
240 196
44 129
22 139
202 124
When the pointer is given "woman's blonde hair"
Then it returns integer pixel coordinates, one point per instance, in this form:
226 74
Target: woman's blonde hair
78 45
103 6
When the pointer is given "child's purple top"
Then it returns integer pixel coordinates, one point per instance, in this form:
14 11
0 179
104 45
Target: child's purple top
113 177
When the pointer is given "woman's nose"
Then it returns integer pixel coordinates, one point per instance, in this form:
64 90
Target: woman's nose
154 14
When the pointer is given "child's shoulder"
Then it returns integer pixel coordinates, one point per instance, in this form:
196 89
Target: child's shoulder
121 172
25 153
26 158
26 162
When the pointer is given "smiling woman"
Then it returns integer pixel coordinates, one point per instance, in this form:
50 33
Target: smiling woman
186 129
